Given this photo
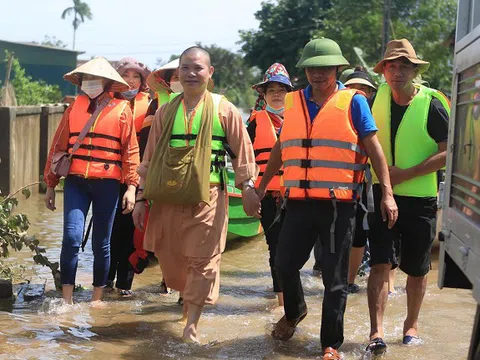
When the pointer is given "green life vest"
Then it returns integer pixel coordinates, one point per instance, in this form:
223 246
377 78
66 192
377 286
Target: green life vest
164 97
413 144
181 136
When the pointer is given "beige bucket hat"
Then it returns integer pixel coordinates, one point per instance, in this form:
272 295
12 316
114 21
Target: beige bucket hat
156 80
100 67
401 48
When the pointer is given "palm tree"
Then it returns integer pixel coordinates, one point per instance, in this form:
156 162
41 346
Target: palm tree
81 11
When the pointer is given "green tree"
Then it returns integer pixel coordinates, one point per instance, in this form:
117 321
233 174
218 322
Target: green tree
232 76
427 24
32 92
81 10
285 27
53 42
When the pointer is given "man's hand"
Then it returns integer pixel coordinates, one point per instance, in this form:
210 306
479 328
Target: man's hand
139 215
389 209
251 202
128 201
398 176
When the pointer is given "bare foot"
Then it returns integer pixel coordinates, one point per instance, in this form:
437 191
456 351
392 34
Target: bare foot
410 331
98 304
276 309
182 320
190 335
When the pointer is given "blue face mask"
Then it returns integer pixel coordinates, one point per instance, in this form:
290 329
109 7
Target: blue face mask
275 111
130 94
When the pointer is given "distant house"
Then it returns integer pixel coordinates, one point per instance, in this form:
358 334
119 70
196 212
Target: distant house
42 62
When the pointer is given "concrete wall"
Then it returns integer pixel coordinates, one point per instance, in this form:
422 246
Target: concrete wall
25 136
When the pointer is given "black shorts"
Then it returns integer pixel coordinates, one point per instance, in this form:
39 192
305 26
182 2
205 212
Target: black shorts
413 233
361 235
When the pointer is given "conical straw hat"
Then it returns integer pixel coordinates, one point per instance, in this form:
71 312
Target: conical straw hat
156 80
100 67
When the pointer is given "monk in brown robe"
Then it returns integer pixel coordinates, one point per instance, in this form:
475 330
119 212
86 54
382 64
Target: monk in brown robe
189 239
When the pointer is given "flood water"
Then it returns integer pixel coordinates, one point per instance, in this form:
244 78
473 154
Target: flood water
145 327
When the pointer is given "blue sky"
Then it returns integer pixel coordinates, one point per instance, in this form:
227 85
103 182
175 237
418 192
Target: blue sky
145 29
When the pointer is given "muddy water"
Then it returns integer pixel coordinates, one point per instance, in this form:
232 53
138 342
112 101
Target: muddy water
145 327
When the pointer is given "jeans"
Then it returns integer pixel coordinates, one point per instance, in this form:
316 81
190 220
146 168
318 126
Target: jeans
306 222
78 194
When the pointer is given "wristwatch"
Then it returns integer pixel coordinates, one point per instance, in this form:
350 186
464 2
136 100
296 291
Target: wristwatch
248 184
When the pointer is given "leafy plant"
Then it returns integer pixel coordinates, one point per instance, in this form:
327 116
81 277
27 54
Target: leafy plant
14 236
29 91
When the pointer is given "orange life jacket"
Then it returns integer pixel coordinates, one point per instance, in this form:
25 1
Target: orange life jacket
140 107
323 159
100 154
265 139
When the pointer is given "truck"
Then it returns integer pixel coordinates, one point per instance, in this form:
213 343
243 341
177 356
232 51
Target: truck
459 265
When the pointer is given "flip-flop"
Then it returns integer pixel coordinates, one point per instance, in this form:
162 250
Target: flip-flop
331 354
377 346
411 340
284 329
126 293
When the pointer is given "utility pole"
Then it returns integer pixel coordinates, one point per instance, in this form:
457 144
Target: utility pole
386 25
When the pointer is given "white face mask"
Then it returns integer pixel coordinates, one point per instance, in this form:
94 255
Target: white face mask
176 87
92 88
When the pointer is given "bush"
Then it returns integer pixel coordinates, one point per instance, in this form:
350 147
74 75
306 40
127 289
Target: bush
32 92
14 236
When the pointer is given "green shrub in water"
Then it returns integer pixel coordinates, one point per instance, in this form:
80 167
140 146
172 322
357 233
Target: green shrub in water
14 236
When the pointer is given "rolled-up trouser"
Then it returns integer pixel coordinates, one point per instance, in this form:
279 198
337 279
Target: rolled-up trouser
79 193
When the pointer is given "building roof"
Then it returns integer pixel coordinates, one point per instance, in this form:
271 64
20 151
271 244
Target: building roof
42 46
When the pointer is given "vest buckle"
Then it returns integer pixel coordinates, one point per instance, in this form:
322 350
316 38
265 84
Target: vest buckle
306 163
306 143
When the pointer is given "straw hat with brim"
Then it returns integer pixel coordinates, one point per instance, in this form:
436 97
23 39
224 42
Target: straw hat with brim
156 80
401 48
359 77
99 67
320 53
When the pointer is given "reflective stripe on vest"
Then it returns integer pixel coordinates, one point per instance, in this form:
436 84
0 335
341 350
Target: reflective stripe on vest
185 134
140 107
265 139
99 155
323 159
413 144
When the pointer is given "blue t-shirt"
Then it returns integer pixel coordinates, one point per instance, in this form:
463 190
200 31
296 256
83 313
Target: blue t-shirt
361 115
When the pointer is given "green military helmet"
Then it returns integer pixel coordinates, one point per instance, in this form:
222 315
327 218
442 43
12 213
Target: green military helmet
345 74
322 52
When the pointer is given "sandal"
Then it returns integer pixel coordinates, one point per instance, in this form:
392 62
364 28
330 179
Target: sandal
411 340
126 293
330 353
377 346
284 329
